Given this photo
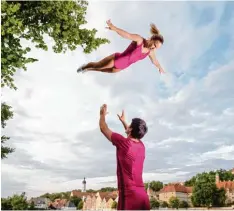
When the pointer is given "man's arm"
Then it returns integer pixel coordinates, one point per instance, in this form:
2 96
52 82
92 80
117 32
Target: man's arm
104 127
122 119
124 124
116 139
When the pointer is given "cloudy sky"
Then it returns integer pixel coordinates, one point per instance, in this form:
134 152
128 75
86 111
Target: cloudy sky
189 110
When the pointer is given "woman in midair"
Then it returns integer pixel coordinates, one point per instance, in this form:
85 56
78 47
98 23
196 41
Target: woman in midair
139 49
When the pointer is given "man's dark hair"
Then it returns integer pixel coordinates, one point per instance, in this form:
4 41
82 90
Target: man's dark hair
139 128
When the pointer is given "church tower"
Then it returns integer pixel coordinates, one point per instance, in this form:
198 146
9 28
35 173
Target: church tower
84 185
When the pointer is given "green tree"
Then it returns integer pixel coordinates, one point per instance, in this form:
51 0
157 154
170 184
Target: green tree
154 203
6 114
190 182
19 202
35 21
206 193
66 195
219 198
156 185
32 206
174 202
146 185
164 204
224 175
46 195
32 20
6 204
107 189
75 200
90 191
80 205
183 204
53 196
114 205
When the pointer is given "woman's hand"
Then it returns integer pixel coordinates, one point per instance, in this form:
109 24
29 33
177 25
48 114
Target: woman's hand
161 70
110 25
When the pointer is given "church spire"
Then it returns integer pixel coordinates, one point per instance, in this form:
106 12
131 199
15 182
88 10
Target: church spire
84 185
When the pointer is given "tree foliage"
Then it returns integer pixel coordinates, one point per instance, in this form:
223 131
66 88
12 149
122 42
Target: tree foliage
114 205
174 202
53 196
219 198
76 200
32 20
183 204
6 114
80 205
154 185
107 189
32 205
6 204
224 175
190 182
16 202
164 204
206 193
154 203
91 191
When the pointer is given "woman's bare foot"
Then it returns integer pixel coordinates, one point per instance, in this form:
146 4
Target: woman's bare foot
81 69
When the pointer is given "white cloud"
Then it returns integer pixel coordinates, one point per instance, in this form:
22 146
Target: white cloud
224 152
55 127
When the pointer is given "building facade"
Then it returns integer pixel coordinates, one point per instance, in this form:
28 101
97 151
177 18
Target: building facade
95 200
182 192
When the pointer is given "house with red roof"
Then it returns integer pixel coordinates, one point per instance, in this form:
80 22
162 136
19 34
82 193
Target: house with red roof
96 201
182 192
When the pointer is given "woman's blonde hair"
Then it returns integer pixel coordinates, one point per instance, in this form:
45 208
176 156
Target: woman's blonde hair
156 36
154 30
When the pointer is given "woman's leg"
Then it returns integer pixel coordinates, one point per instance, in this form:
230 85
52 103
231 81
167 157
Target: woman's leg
106 65
105 70
107 62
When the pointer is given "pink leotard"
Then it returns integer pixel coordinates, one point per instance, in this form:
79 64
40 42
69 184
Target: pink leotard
132 54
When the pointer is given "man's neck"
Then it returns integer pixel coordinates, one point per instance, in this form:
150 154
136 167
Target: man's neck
133 139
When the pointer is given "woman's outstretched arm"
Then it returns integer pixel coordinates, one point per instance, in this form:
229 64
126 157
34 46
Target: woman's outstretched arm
135 37
155 61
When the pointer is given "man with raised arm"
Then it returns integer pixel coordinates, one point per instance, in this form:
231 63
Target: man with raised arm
130 161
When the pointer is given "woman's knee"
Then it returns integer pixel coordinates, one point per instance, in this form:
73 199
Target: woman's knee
114 70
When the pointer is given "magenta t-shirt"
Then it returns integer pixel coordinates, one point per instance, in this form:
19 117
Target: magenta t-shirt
130 161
